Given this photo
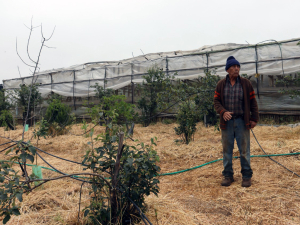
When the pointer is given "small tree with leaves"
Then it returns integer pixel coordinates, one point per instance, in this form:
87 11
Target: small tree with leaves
6 118
290 85
132 169
155 85
28 97
58 116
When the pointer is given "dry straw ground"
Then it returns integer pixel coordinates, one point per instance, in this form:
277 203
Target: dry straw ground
193 197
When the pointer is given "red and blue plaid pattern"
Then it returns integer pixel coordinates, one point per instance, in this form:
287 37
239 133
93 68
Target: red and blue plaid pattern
234 97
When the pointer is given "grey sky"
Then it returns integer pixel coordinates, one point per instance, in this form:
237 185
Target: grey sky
88 31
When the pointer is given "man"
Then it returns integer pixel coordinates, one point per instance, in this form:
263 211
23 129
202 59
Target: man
235 101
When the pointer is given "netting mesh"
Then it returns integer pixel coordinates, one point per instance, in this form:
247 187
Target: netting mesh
269 60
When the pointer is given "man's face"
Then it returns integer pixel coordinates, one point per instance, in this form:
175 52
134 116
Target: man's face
233 71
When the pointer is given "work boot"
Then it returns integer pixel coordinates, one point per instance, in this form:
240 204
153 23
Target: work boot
227 181
246 182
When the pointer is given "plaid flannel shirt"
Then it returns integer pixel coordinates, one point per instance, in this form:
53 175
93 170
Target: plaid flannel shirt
234 97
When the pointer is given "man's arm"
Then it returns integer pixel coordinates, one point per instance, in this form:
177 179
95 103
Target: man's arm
217 101
254 117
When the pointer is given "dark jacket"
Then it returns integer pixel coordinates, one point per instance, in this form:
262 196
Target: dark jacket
250 104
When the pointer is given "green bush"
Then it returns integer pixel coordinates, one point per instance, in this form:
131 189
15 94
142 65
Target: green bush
153 90
58 115
135 178
187 118
205 97
28 97
6 119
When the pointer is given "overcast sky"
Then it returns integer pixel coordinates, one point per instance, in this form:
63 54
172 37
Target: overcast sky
89 31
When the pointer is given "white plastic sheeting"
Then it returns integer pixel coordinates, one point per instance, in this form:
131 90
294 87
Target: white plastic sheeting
271 58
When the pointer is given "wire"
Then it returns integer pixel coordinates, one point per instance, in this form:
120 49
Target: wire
271 158
7 148
80 200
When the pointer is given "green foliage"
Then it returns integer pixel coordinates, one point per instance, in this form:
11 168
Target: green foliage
187 119
12 185
6 119
53 97
205 97
195 100
289 83
115 107
135 179
27 97
23 95
10 190
154 88
4 104
42 131
101 92
58 115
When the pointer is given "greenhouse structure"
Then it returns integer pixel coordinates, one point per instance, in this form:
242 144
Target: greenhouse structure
264 63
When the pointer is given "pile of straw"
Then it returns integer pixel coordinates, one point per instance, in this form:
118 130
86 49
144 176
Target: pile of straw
194 197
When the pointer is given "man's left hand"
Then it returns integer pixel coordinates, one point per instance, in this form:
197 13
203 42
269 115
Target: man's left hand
252 124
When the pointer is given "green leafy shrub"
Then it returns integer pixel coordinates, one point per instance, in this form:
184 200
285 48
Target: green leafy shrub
101 92
113 106
42 131
6 119
187 119
27 99
135 178
153 88
58 115
290 85
205 97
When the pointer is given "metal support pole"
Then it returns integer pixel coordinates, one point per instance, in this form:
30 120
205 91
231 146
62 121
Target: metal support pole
256 71
89 93
132 85
74 100
51 82
207 62
167 66
104 85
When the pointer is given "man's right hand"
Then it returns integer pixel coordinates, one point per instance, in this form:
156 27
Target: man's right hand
227 115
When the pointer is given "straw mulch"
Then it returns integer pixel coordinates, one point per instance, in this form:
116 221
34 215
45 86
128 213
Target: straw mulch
194 197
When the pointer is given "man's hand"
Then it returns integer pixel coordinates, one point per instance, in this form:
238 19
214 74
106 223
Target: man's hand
227 115
252 124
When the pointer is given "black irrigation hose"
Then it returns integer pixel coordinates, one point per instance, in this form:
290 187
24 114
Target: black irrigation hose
6 143
7 148
271 158
80 200
68 160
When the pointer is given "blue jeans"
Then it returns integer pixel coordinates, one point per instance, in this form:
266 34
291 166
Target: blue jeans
236 129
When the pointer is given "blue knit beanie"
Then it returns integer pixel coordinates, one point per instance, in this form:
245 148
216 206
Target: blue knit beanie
231 61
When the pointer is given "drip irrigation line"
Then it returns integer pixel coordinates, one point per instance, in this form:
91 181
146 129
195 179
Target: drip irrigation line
80 200
217 160
6 143
273 159
185 170
58 171
7 148
68 160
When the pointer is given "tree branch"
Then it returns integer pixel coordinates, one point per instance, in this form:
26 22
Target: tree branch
31 28
20 56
